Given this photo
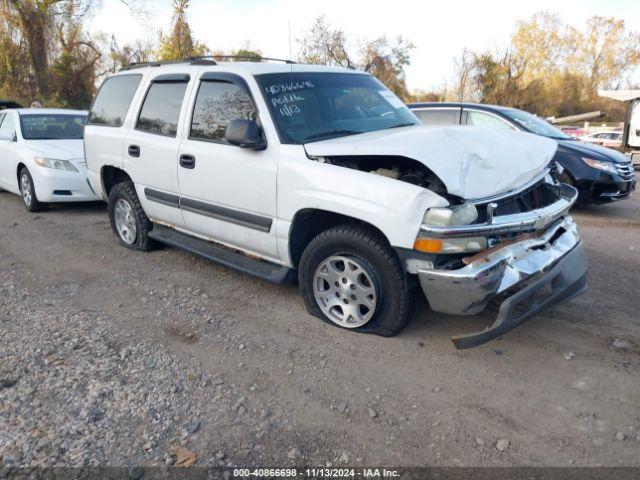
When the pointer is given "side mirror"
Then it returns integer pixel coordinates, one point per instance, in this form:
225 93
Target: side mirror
8 136
245 134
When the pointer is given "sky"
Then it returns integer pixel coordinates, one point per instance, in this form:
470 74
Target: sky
439 30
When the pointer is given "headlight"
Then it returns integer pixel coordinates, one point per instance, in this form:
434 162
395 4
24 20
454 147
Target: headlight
446 217
606 166
450 245
54 163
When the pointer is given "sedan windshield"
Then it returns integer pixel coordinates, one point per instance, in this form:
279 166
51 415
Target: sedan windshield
52 126
308 107
536 125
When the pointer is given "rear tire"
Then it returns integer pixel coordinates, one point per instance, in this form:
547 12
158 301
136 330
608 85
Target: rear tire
128 221
350 277
28 192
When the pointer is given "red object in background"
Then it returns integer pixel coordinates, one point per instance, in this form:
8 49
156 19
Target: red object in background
575 132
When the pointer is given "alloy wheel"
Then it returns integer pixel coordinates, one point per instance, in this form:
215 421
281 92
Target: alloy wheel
345 290
125 222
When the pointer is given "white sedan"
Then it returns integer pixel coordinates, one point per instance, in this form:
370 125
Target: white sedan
42 156
604 139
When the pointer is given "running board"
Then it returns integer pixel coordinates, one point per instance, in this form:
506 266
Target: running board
222 255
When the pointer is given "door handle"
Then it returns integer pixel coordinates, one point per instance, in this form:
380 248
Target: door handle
134 151
188 161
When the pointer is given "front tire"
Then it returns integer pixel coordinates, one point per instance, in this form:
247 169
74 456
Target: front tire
350 277
128 221
28 192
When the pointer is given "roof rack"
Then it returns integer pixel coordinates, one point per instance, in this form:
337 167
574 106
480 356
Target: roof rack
204 60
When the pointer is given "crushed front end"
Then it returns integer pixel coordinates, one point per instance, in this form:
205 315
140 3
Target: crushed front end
522 249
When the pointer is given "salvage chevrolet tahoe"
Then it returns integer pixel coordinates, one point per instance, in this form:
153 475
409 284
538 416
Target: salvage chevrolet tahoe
323 175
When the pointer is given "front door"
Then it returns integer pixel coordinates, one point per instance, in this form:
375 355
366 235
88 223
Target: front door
228 193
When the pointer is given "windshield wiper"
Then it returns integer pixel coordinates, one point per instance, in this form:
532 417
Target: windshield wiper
316 136
409 124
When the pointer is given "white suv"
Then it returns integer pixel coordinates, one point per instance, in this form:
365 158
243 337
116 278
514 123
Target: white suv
322 174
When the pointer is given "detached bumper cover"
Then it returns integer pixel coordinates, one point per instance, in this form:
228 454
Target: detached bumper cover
553 262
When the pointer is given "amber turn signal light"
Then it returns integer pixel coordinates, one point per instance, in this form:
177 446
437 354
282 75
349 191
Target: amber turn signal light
428 245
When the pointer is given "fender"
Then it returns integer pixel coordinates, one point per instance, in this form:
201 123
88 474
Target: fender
395 208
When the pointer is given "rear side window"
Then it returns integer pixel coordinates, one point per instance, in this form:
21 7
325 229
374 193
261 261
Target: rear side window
161 108
216 105
7 124
434 116
112 103
482 119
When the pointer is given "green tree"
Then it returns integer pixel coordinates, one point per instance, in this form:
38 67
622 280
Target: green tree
387 61
245 54
325 46
608 52
179 43
552 68
47 54
121 56
384 59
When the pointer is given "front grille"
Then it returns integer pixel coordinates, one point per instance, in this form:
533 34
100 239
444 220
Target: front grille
537 196
625 170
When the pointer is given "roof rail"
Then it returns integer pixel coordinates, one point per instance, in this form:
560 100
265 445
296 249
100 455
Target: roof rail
203 60
252 58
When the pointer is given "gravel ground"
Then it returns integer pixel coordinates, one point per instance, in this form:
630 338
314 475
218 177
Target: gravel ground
113 357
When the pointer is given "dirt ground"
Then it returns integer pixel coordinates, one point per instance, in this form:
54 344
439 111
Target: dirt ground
560 390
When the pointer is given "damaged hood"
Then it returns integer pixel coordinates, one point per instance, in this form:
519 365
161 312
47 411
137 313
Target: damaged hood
472 162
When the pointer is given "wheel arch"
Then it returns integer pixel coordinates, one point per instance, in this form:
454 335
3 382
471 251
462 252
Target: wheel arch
111 176
310 222
19 168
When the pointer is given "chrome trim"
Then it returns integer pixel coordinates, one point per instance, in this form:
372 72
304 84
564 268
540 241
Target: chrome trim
517 222
467 290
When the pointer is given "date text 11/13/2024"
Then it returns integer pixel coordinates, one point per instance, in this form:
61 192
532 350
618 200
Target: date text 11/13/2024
316 472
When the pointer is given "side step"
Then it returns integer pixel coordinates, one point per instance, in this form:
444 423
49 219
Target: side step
222 255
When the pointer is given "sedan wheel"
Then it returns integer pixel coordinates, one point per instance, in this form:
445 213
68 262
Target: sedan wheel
28 192
25 188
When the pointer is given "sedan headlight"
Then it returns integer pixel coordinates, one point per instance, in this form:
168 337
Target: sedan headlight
55 164
446 217
606 166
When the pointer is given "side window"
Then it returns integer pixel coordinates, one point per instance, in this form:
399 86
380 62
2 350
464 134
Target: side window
8 125
114 97
483 119
439 116
160 110
216 105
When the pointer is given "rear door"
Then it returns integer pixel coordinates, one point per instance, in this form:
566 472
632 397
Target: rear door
151 147
103 135
228 192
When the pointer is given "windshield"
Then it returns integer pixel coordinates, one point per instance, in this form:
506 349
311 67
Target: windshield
52 126
536 125
308 107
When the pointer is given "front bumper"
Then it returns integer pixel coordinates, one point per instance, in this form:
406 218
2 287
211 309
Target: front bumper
520 271
599 192
62 186
597 186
